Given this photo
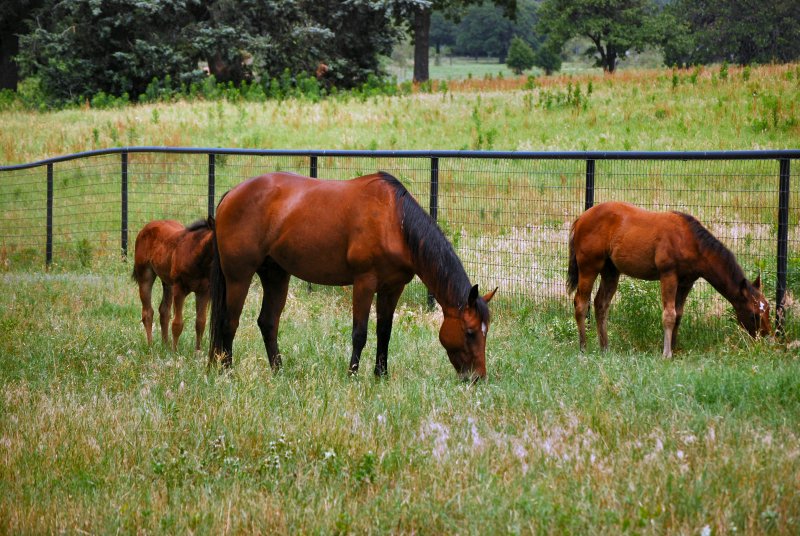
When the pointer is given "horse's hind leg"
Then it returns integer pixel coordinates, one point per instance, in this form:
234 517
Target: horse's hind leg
201 306
145 276
386 304
179 297
609 278
275 281
583 295
164 310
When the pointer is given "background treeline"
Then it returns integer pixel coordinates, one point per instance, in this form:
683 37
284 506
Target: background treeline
110 51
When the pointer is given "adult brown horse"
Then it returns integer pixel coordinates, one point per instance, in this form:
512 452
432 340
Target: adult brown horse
181 257
672 247
368 232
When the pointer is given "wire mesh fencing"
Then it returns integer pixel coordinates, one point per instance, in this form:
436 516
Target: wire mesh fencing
507 214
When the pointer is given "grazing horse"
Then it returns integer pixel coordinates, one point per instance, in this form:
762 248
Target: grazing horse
181 257
613 238
368 232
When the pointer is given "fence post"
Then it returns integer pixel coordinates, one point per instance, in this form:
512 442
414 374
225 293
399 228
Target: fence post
589 185
212 179
783 242
434 205
124 206
49 246
312 168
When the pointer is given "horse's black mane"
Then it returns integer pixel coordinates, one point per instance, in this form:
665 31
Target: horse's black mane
199 225
709 242
429 247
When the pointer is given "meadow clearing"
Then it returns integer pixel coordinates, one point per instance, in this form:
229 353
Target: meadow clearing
101 434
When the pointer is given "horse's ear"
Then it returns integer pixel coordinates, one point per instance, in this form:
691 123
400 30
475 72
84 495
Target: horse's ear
757 282
744 287
489 295
473 296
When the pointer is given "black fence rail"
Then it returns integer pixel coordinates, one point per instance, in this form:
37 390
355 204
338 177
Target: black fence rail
507 213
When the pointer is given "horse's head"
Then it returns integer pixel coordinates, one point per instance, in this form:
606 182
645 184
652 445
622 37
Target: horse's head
753 310
463 335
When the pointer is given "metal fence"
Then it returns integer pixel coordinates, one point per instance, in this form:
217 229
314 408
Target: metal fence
507 213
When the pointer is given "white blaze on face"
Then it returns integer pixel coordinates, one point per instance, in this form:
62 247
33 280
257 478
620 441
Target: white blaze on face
484 329
761 306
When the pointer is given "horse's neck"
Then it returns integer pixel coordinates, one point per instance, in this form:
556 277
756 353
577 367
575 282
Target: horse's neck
718 274
449 298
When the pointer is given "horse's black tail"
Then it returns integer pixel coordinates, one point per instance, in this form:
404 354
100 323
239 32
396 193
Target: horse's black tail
572 270
219 307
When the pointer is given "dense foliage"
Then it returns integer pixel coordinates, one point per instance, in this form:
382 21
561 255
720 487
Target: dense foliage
132 50
81 48
520 56
706 31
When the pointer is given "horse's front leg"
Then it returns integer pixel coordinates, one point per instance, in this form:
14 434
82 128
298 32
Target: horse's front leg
164 311
669 289
275 281
201 307
680 301
385 307
179 297
363 291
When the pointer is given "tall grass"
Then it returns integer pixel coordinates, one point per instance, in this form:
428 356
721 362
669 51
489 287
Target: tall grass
99 433
637 110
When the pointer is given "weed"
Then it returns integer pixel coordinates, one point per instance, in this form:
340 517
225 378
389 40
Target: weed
84 252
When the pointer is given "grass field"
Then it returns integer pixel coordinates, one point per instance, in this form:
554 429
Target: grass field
101 434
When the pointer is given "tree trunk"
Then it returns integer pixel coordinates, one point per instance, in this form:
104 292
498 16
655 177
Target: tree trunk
611 60
422 33
9 72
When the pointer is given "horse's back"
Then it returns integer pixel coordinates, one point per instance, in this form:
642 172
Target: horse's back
323 231
639 242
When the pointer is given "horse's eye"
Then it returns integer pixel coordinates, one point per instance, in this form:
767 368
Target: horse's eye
470 333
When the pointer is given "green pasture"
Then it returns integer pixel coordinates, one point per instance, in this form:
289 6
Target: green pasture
101 434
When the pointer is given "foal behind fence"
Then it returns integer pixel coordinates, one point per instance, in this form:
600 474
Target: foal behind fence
615 238
181 257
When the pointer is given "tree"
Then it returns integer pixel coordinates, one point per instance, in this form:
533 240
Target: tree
742 31
82 47
417 13
547 59
12 15
613 26
484 31
520 56
443 31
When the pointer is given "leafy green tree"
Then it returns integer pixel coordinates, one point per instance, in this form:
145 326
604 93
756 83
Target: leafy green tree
443 31
416 14
484 31
613 26
83 47
547 59
742 31
520 56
